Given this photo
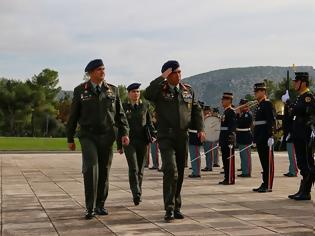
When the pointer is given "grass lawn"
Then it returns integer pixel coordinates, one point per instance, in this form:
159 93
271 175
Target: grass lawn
34 144
37 144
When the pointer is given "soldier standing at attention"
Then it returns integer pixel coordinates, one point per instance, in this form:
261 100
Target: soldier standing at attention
177 110
244 138
154 147
138 117
97 108
302 112
227 139
263 136
207 145
287 137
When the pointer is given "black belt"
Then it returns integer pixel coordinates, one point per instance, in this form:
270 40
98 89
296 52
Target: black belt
95 130
171 130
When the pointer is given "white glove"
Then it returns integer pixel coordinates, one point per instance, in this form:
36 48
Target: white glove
285 97
288 137
271 141
313 134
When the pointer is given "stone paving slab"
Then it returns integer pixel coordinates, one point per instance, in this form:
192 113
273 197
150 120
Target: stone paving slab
42 194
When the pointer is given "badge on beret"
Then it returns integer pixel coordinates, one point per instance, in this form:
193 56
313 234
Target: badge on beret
308 99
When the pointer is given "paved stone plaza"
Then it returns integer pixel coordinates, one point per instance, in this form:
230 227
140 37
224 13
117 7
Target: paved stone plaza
42 194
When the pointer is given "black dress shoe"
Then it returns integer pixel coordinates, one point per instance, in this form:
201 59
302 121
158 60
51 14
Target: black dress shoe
101 211
264 190
224 182
243 175
136 200
194 176
290 175
239 169
153 168
178 215
216 165
89 215
222 172
169 216
303 196
256 189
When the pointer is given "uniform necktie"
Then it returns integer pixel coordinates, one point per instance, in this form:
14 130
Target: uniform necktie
176 90
98 89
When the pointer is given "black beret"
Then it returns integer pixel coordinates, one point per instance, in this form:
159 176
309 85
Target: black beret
170 64
227 95
260 86
133 86
302 76
93 65
243 101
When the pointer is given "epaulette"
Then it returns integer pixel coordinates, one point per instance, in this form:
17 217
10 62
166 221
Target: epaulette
109 85
185 86
85 85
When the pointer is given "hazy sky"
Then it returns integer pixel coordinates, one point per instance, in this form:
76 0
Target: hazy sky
134 38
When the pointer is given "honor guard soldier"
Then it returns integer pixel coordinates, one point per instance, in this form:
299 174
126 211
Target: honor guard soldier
263 136
97 108
215 152
177 110
154 148
287 120
194 152
244 137
302 111
227 139
138 117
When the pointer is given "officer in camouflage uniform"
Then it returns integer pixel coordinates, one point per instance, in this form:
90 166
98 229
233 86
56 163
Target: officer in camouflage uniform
177 110
302 132
97 108
138 117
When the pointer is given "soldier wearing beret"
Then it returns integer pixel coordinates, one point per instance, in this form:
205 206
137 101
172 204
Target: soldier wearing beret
263 136
244 137
138 116
177 110
302 112
97 108
227 139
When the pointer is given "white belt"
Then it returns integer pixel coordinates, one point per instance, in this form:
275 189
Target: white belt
224 128
260 122
244 129
192 131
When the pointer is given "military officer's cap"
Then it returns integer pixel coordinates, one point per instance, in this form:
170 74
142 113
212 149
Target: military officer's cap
260 86
207 108
302 76
243 101
201 104
170 64
93 65
216 110
133 86
227 95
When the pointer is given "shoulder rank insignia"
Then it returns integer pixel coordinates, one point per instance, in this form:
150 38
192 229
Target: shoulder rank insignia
308 99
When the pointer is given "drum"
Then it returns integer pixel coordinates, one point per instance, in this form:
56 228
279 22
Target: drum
212 128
